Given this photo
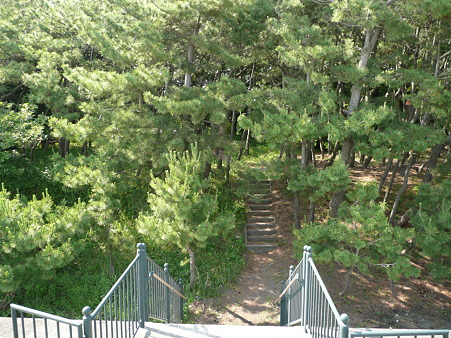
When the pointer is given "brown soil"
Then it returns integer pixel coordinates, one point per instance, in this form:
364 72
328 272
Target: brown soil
419 303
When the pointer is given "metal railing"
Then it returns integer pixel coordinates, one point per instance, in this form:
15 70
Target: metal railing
165 300
43 324
117 315
143 291
380 333
305 301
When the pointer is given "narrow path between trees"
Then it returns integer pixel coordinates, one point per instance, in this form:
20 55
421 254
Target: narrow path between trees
251 300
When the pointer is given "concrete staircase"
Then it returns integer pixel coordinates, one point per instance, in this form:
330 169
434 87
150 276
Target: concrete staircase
260 226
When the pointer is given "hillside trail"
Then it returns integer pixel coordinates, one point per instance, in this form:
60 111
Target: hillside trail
251 300
419 303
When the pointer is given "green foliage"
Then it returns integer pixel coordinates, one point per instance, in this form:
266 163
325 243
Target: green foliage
182 210
433 229
318 184
361 237
29 178
19 127
37 238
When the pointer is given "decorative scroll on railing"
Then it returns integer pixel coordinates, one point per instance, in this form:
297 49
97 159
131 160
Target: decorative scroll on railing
143 291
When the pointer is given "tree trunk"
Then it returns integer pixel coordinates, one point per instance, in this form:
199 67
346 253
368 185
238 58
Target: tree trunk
248 139
371 37
433 158
296 203
207 169
233 126
403 188
432 162
192 267
84 148
296 210
352 159
63 146
392 179
243 137
311 216
304 154
362 158
190 58
338 196
321 148
367 162
385 174
330 146
333 155
312 152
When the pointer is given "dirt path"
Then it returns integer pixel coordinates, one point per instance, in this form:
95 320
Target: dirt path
251 300
420 302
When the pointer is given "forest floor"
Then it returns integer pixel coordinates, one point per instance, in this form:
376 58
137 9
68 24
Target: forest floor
419 302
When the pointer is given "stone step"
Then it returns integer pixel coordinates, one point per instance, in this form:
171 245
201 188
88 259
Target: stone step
259 196
262 231
260 207
255 200
261 247
259 190
261 226
262 182
260 219
266 213
263 239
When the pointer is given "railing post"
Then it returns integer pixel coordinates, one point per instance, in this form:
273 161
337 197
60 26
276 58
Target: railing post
143 275
283 308
181 299
168 293
344 329
306 283
287 294
87 322
14 319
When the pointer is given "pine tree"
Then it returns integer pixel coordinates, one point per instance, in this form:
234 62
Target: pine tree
182 211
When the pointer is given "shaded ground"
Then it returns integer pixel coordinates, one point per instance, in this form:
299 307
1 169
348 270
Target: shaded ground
420 303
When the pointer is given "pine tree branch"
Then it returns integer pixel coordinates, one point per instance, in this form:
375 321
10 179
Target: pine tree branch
11 93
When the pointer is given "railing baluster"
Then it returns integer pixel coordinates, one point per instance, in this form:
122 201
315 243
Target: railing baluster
14 319
110 313
115 311
23 323
34 326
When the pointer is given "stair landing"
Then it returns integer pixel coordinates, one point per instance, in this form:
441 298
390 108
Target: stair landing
161 330
157 330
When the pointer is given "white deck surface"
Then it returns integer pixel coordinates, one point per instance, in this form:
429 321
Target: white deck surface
157 330
153 330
